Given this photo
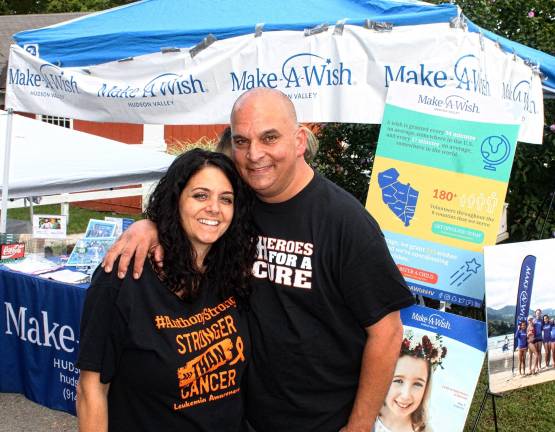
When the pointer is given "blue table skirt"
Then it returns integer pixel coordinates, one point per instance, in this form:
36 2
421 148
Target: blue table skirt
39 338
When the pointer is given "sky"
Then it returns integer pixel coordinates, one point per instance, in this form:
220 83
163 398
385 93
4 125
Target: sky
502 270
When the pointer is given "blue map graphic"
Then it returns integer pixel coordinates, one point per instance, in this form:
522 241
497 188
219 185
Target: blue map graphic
400 198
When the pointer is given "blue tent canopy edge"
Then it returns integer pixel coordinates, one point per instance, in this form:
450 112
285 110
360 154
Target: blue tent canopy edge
147 26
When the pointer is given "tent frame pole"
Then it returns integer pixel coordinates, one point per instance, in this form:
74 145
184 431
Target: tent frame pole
7 149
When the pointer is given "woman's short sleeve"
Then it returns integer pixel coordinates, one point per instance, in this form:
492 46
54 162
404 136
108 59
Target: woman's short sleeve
103 326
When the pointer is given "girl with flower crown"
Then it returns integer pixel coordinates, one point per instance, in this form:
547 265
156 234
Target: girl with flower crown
404 408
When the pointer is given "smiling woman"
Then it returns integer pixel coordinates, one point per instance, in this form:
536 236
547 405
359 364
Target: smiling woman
168 351
206 209
202 199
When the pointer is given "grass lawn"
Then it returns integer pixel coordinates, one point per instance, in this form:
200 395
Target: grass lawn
78 217
526 409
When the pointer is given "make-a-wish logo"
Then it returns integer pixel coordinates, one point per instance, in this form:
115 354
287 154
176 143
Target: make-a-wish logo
466 73
523 306
434 320
452 103
32 49
52 77
520 93
299 70
166 84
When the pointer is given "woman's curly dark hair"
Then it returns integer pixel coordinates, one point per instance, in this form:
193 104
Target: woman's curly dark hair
228 264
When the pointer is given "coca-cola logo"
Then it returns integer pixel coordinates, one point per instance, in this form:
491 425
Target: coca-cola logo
15 250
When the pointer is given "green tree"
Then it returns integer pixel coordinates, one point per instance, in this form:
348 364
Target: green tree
530 22
11 7
346 155
82 5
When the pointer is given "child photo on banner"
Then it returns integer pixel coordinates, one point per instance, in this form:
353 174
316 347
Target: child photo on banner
436 375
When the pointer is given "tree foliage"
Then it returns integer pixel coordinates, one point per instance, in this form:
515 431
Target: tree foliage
346 155
347 151
530 22
11 7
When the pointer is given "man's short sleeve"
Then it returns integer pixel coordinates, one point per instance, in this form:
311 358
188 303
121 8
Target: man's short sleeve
103 326
370 280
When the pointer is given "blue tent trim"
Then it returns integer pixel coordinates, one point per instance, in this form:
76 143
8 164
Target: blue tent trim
147 26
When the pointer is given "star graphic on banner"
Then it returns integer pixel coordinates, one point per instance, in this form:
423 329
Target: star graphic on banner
328 61
472 266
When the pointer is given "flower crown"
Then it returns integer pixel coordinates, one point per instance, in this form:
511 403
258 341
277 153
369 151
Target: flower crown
432 352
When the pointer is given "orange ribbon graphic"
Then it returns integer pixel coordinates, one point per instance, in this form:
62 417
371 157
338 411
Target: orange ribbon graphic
239 347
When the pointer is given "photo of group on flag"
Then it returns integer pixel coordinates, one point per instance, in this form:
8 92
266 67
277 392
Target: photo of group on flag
520 314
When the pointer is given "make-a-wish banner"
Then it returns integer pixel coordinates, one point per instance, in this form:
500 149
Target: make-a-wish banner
438 186
436 375
329 77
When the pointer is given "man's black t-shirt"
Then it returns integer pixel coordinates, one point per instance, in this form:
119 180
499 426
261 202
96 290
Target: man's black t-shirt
171 365
323 273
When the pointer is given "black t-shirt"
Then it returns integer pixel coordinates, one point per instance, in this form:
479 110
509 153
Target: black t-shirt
171 365
322 275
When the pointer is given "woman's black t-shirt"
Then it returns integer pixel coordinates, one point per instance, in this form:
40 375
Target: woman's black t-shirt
171 365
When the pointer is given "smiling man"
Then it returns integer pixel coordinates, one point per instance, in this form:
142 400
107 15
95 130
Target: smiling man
324 321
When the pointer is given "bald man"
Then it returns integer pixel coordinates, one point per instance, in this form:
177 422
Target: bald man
324 316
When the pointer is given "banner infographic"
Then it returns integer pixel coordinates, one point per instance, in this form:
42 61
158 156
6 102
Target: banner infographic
520 313
438 186
435 378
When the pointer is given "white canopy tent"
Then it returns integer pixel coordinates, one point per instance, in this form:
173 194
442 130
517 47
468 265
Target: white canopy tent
46 159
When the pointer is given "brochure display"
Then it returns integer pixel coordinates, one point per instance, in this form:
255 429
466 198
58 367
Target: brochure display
89 251
520 309
438 186
436 374
121 224
100 228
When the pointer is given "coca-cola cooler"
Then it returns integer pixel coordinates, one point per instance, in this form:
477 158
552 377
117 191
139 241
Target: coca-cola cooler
11 248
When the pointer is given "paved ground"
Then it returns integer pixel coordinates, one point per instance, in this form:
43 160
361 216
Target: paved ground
18 414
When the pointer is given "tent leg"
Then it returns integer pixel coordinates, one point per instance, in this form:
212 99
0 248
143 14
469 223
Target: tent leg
64 208
7 148
31 212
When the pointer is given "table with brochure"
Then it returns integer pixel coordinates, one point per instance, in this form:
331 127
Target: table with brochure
42 301
39 338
